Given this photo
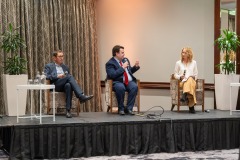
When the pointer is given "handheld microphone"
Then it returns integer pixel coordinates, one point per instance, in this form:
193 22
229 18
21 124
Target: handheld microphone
124 60
184 72
66 72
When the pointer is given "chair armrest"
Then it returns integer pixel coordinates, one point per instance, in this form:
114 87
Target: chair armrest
200 84
47 81
108 85
138 83
108 91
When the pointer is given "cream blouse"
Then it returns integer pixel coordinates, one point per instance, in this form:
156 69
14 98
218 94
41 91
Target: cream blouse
190 68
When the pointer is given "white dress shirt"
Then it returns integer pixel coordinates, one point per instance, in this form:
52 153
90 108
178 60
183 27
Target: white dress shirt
129 76
59 69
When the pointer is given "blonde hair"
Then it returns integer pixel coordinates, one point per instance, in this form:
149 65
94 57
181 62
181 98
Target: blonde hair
189 53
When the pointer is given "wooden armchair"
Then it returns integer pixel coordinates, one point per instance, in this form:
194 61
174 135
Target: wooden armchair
176 93
60 102
111 99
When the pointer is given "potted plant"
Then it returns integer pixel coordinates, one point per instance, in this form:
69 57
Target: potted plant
14 67
228 43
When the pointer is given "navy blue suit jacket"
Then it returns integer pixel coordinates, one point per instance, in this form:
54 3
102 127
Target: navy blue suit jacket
115 71
51 71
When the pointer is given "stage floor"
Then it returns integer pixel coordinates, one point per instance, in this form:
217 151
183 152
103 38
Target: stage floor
103 117
101 133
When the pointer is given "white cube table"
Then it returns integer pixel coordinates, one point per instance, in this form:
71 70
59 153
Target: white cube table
39 87
232 85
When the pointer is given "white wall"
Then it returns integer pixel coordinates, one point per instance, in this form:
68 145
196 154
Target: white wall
153 32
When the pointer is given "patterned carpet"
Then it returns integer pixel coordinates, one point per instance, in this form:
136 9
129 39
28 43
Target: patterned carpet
232 154
208 155
3 155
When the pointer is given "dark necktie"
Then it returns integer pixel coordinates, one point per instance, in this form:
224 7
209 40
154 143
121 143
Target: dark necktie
125 75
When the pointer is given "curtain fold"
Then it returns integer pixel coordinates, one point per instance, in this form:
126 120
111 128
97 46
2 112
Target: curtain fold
48 25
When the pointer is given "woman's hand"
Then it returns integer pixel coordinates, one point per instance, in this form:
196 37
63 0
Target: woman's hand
182 77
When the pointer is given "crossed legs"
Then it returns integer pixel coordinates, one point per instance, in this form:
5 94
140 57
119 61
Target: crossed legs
67 85
189 93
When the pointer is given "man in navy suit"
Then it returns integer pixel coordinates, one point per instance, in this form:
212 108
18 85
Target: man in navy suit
58 74
118 69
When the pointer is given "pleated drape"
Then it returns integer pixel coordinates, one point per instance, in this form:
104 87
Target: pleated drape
122 138
48 25
85 140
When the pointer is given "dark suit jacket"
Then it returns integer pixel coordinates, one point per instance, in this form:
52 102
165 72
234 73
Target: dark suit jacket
115 71
51 71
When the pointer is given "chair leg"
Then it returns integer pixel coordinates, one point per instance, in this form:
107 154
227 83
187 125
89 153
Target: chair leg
108 108
173 105
78 108
111 107
48 102
178 108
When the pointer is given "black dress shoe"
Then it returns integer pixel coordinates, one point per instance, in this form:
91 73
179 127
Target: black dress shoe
131 112
84 98
192 110
68 114
184 98
121 113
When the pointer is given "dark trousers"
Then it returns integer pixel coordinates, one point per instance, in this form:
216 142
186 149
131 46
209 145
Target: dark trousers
67 85
120 88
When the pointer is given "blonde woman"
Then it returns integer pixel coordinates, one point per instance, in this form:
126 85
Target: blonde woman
186 71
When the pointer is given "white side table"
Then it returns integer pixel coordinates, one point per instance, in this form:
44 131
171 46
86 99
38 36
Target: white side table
39 87
232 85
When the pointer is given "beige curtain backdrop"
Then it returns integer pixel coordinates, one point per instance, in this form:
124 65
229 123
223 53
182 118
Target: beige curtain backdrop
47 25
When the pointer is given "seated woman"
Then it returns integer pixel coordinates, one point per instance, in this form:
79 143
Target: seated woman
186 71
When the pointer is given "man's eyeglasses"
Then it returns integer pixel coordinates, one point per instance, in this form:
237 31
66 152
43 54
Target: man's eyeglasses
60 56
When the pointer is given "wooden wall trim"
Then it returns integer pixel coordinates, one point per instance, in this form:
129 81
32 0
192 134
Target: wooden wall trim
217 31
164 85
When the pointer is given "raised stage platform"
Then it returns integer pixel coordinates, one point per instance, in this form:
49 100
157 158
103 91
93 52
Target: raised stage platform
100 133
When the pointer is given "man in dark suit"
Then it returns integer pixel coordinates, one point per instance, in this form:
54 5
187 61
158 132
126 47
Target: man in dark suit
58 74
118 69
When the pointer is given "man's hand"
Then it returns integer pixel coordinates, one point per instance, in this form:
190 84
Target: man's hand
61 75
125 65
137 63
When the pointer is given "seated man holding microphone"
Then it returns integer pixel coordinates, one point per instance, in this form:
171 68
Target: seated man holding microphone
59 75
118 69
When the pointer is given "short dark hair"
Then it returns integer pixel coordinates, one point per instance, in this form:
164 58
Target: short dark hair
116 49
55 53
